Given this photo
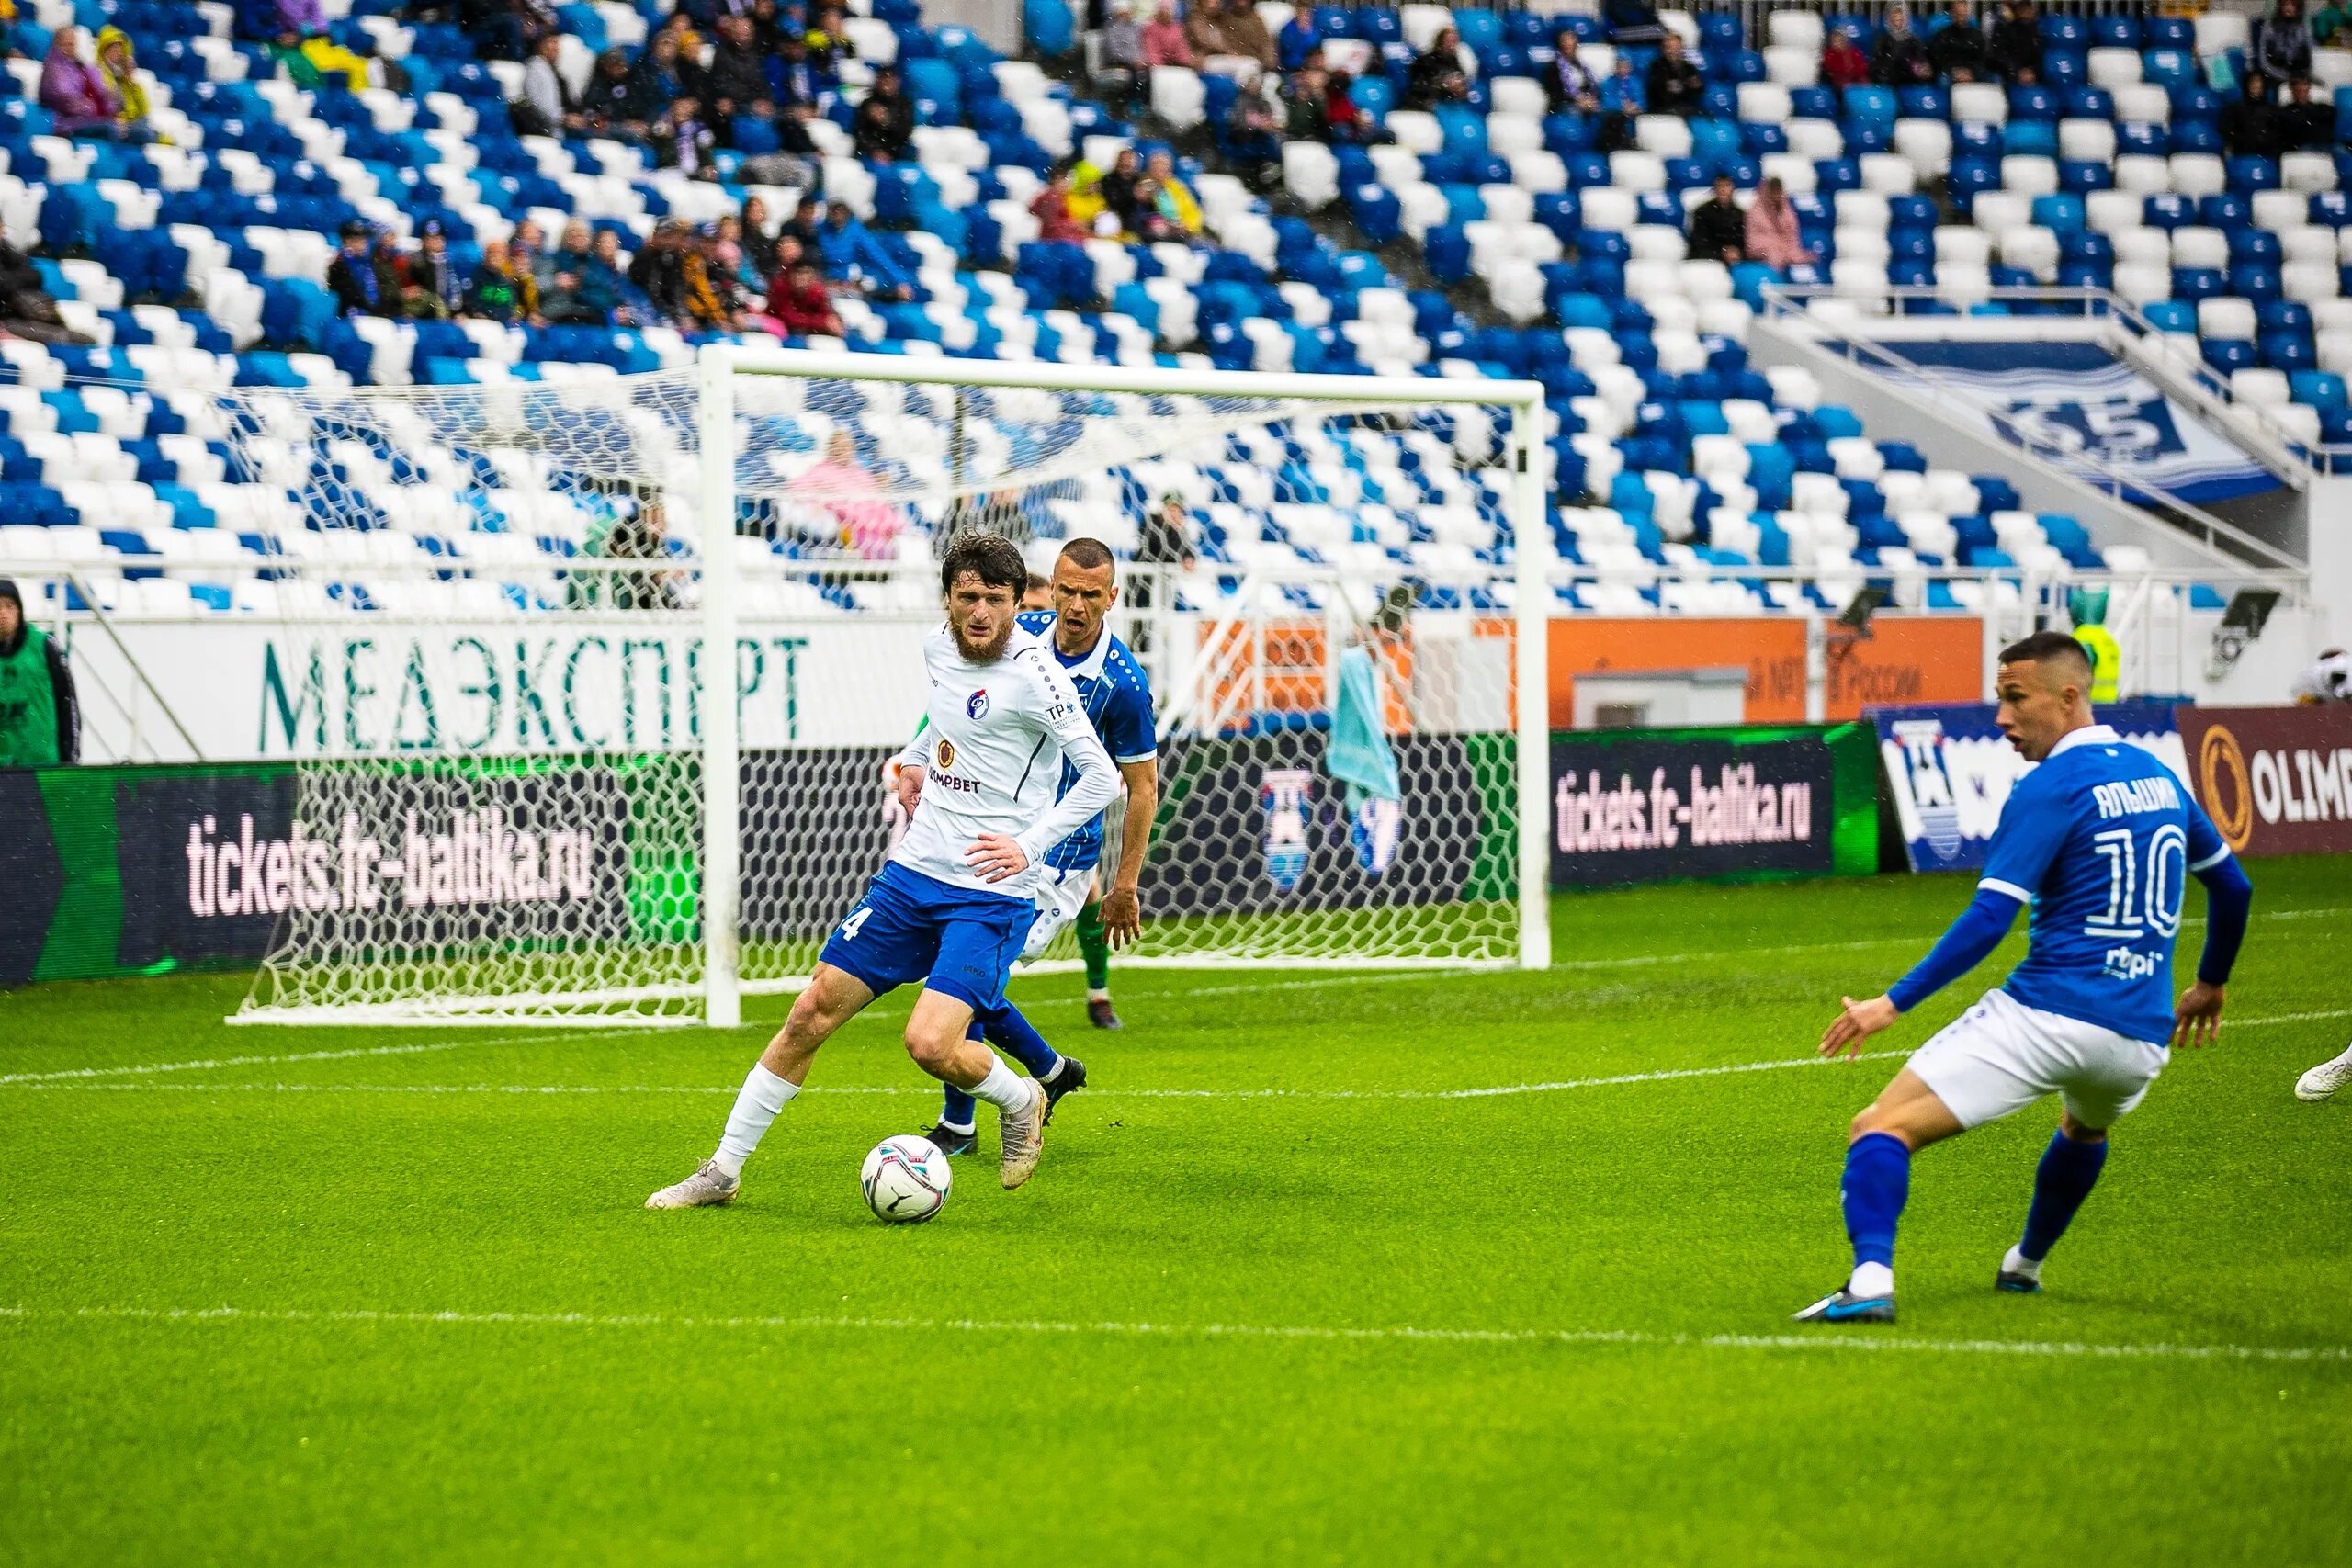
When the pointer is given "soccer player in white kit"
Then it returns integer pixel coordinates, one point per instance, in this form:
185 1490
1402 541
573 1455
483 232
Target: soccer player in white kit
952 906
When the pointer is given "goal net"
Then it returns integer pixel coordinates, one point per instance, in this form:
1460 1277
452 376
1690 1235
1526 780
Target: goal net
523 792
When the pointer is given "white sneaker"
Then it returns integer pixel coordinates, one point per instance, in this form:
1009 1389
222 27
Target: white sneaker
1021 1138
707 1186
2322 1081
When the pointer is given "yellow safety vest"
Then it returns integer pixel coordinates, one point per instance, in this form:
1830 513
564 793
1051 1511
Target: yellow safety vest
2107 661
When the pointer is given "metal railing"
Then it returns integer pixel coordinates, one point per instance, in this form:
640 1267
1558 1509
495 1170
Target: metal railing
1850 337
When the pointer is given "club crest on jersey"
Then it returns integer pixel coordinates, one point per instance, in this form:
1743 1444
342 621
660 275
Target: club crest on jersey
946 753
976 705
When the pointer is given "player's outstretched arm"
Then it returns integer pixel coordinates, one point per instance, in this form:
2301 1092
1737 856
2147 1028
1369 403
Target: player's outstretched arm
2229 899
1969 942
1123 903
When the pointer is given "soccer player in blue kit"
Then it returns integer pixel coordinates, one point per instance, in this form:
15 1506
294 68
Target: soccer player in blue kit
953 905
2101 840
1117 699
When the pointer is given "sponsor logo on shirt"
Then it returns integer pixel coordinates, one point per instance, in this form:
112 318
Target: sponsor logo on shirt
945 752
942 759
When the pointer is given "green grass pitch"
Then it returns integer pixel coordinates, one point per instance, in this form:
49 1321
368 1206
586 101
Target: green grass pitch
1275 1296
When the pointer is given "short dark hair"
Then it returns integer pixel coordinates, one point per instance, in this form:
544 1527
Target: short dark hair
1036 582
993 558
1089 554
2045 647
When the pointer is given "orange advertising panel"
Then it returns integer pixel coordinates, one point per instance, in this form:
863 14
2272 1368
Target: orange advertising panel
1905 659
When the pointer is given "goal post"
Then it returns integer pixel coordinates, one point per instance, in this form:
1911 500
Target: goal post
787 504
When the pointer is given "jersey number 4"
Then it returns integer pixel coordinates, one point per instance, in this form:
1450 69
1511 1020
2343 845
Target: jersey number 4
857 918
2143 887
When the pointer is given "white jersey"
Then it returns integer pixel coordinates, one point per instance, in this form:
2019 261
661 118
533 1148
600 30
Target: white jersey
991 752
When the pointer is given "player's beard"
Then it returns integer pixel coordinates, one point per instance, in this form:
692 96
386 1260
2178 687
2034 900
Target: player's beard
982 653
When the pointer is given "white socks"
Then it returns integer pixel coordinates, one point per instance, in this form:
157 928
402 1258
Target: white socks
2016 1262
1003 1088
1871 1279
1097 994
762 1095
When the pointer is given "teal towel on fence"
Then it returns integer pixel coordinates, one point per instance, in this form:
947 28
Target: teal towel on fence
1358 755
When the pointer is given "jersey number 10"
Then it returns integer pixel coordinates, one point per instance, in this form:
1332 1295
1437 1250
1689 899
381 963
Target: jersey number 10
2143 886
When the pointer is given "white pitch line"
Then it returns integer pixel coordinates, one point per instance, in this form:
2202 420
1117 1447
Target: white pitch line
1865 1341
150 1067
1777 1063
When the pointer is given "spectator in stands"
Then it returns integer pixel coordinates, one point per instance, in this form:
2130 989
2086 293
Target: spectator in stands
296 30
770 28
2017 42
682 141
1056 226
355 279
2305 125
1305 115
1438 74
1675 84
502 292
1253 129
432 288
1246 35
1164 39
658 78
759 240
799 304
2252 127
548 107
828 41
1718 227
26 309
735 80
1631 23
1121 78
1842 64
1165 540
2329 22
1208 32
802 86
885 119
659 271
40 719
1298 38
118 64
1959 51
616 103
841 491
1569 81
1173 201
2280 44
526 246
1772 236
850 254
1344 123
1899 57
1623 99
562 282
605 285
1118 194
644 535
75 92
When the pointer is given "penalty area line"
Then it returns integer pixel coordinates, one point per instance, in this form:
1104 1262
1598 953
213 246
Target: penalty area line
144 1068
1832 1341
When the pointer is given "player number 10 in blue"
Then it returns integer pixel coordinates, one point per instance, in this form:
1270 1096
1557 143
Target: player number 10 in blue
2143 887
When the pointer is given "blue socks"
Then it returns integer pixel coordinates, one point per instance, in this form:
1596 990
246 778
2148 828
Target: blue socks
2068 1172
1008 1031
1878 1179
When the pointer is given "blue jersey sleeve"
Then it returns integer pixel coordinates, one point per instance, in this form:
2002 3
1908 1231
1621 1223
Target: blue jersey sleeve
2207 848
2032 828
1127 725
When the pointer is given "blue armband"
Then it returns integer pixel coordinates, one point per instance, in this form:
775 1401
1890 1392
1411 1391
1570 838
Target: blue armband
2228 896
1970 940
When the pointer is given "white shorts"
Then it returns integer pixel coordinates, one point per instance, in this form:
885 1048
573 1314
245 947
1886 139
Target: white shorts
1061 894
2001 1056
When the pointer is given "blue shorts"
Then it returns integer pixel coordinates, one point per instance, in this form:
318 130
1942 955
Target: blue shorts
910 927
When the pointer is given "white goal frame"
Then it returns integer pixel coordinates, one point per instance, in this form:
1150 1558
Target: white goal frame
1529 460
721 370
